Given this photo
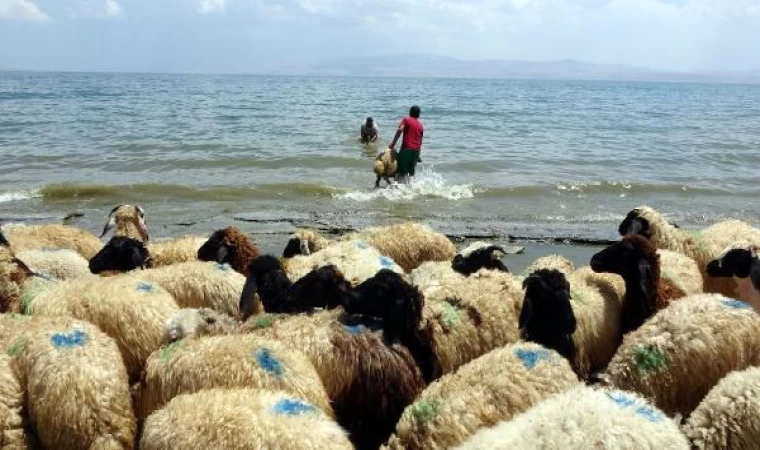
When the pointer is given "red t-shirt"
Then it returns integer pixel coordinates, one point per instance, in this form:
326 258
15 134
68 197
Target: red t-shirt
413 130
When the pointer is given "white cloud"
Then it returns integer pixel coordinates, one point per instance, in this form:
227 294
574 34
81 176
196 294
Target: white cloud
99 9
22 10
211 7
112 8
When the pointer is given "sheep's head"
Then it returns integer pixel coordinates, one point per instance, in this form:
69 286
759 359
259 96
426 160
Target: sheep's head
121 254
324 287
229 245
479 255
265 274
389 297
127 221
547 306
634 257
3 241
636 223
738 260
304 242
196 322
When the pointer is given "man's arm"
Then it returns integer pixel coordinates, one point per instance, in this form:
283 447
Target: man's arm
398 135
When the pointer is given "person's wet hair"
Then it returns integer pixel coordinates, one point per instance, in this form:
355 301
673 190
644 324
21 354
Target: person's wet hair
370 121
414 111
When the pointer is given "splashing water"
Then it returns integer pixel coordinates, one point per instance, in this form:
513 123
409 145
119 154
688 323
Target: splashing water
427 183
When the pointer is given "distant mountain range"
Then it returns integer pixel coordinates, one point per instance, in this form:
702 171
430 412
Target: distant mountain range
439 66
424 65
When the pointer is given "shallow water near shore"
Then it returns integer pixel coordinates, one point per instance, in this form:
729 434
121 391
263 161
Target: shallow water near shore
530 159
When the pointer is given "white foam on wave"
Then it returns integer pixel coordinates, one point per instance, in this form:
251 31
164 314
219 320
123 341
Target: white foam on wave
14 196
427 183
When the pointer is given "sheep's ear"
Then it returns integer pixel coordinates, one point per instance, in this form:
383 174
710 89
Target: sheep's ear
247 304
526 313
754 274
109 225
141 223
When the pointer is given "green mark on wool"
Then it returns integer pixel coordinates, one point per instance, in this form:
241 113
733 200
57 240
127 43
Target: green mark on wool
650 359
16 348
577 296
263 322
451 313
425 410
31 291
16 316
168 351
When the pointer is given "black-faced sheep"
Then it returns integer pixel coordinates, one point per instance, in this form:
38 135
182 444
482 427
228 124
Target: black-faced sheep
575 314
740 261
127 221
703 246
636 260
320 288
231 246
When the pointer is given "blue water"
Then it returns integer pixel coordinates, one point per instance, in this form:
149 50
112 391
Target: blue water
525 156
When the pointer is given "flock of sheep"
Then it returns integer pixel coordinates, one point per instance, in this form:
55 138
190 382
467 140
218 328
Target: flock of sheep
384 338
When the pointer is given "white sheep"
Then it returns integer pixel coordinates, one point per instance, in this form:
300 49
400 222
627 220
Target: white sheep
245 419
678 355
27 237
584 418
729 416
494 387
59 263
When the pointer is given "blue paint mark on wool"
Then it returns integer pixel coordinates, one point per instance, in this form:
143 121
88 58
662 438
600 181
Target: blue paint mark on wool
51 249
267 361
292 407
355 329
736 304
626 401
386 262
361 245
144 287
224 267
76 338
530 358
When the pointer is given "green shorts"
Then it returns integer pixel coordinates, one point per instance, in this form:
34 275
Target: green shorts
407 161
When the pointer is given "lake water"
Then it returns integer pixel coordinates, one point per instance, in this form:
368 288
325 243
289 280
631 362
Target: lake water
528 158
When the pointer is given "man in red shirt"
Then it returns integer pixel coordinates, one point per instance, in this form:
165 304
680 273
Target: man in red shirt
411 145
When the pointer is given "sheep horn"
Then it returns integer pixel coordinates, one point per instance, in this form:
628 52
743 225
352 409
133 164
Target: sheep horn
141 223
110 222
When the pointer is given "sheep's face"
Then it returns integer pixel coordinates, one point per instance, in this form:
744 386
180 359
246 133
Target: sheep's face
296 246
485 257
217 248
388 296
129 221
734 262
323 287
622 258
547 302
634 223
196 322
121 254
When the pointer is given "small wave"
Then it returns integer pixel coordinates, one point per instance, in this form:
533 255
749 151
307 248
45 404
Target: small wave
427 183
146 191
14 196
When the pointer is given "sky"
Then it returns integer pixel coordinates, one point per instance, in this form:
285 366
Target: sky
245 35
